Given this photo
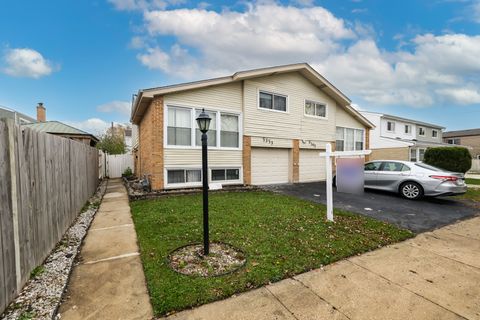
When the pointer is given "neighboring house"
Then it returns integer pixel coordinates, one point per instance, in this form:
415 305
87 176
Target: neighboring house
396 138
60 129
268 126
470 138
18 117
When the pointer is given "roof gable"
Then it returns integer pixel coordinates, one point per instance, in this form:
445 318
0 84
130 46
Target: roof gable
144 97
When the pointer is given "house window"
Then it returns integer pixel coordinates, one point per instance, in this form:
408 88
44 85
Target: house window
408 129
229 133
421 131
212 131
348 139
315 109
390 126
177 176
272 101
434 133
179 127
453 141
413 155
225 174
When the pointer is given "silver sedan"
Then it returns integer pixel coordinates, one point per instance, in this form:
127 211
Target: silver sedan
413 180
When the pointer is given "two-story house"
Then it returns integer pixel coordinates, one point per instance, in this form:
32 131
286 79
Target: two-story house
268 126
469 138
396 138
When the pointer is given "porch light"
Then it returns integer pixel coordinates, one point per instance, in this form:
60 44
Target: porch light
203 121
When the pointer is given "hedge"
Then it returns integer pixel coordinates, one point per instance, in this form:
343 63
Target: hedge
456 159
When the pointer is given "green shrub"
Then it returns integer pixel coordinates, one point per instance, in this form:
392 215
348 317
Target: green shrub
456 159
127 173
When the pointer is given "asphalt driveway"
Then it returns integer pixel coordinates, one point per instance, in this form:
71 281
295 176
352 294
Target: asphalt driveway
418 216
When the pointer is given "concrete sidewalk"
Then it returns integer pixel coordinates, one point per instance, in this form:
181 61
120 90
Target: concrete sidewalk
109 282
436 275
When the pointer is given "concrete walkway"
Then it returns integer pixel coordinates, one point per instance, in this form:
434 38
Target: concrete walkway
109 282
436 275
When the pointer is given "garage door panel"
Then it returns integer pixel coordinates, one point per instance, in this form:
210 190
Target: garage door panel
312 166
270 165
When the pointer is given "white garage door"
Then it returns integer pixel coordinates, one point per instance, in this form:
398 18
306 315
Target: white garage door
270 165
312 166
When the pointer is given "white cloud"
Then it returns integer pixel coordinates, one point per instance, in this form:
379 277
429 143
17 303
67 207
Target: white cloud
24 62
423 71
94 126
121 107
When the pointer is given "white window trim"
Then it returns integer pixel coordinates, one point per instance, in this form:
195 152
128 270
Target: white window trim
317 102
354 137
424 131
199 184
193 110
273 93
394 126
436 131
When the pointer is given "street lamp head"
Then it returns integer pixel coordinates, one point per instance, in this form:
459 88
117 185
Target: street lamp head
203 121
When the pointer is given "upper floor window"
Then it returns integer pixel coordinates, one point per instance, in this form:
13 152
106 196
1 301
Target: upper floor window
315 109
421 131
390 126
179 127
272 101
348 139
224 130
408 129
453 141
434 133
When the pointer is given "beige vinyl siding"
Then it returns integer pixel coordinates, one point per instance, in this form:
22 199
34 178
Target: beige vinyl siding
344 119
312 166
192 157
292 124
226 97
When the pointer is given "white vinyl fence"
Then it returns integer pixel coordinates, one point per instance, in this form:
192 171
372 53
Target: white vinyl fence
117 163
475 166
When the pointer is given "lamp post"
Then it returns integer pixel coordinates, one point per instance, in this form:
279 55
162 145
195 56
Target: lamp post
203 121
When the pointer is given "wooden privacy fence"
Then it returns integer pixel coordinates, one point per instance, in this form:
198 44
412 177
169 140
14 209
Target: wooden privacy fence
45 182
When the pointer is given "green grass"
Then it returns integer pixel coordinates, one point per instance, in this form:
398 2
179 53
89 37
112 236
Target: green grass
281 236
472 181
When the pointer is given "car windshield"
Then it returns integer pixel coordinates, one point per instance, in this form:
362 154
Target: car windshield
426 166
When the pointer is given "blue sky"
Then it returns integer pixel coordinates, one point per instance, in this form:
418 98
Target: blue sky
85 59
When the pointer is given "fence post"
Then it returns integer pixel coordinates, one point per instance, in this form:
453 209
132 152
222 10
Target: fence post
12 143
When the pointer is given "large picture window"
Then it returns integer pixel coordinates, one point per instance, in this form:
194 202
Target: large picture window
179 128
229 134
348 139
212 131
224 130
272 101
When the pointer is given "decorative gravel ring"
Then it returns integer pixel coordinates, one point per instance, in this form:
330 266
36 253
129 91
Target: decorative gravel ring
223 259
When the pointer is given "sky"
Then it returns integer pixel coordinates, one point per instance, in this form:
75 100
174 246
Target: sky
85 59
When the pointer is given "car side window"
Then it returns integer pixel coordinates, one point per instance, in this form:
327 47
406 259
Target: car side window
372 166
392 166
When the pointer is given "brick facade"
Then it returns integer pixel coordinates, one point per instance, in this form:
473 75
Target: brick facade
150 160
247 160
296 161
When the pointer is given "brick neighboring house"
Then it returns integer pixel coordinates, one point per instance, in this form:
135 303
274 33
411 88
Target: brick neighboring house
268 126
469 138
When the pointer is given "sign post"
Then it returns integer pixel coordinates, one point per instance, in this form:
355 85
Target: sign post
329 156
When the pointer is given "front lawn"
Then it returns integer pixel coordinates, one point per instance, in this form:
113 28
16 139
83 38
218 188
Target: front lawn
472 181
281 236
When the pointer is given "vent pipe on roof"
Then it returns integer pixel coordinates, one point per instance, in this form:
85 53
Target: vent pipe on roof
41 112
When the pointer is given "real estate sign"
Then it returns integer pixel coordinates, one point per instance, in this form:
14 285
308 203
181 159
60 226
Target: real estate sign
350 177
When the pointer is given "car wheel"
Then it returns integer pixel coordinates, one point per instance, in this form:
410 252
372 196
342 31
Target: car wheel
411 190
